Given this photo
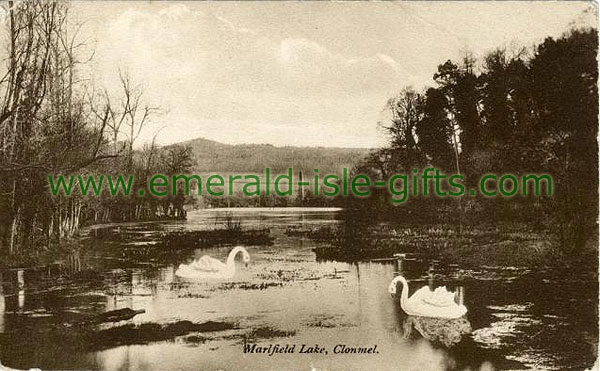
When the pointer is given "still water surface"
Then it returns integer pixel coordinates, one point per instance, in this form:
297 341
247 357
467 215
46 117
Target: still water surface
520 318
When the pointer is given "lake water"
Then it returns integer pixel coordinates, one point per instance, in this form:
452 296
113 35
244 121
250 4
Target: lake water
520 318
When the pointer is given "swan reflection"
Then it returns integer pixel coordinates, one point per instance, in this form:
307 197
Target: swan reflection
447 332
436 313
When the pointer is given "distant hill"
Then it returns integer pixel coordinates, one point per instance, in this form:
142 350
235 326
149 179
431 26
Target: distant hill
215 157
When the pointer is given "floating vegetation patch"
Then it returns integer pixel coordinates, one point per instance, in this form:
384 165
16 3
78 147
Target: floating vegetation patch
263 332
128 244
150 332
268 332
218 237
191 295
195 339
85 337
248 285
488 274
328 321
125 232
295 273
284 275
325 233
468 246
332 276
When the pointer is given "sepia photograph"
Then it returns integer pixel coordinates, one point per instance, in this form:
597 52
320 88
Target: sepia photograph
299 185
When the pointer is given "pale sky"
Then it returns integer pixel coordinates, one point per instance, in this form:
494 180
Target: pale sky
291 73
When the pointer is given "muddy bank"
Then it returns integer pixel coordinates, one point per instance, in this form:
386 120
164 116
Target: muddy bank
499 245
84 337
159 244
151 332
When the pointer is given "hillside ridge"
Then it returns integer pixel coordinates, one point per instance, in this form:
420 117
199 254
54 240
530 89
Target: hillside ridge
213 156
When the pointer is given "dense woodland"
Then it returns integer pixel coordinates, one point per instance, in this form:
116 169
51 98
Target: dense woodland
526 111
212 157
55 121
529 111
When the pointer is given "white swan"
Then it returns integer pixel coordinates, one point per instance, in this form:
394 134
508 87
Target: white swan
426 303
208 268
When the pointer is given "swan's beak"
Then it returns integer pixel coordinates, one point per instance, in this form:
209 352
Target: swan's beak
246 265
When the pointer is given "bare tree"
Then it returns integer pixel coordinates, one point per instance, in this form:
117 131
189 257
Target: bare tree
48 123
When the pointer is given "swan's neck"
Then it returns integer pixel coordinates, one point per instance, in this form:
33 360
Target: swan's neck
232 254
404 294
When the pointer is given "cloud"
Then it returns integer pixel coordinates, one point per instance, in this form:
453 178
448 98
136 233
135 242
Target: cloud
233 27
307 63
177 11
206 73
266 72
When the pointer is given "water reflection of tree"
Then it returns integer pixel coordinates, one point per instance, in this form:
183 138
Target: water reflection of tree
353 238
2 305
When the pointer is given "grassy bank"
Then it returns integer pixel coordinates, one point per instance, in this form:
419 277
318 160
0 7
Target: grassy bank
497 245
138 243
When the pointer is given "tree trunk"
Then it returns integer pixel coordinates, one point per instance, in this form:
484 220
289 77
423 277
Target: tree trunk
13 232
